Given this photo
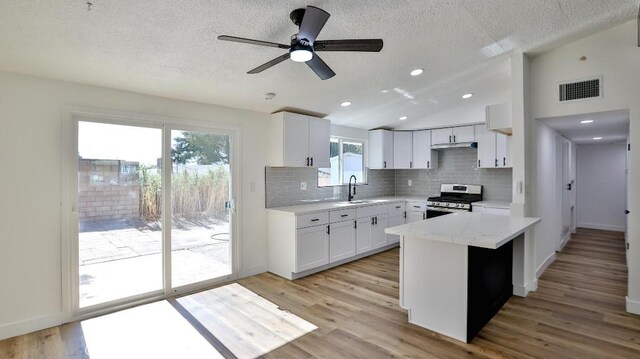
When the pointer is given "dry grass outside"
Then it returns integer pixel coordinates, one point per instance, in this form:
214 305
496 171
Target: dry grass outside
193 194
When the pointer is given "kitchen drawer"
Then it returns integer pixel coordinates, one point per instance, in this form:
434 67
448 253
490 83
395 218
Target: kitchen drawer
371 211
342 215
416 206
396 208
313 219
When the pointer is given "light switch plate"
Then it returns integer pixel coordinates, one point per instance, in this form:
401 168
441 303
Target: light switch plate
409 183
303 186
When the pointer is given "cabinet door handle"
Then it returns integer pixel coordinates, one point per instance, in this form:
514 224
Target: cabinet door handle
344 215
428 164
424 216
478 163
315 220
496 162
376 220
416 206
449 138
384 165
307 161
504 161
405 214
454 138
355 224
410 164
328 229
372 221
398 206
311 161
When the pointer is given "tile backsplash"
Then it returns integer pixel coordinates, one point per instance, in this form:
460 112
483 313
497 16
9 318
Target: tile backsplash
283 186
456 165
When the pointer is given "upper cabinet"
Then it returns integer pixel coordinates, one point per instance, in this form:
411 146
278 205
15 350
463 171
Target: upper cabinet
499 118
452 135
423 156
494 149
402 149
299 141
380 149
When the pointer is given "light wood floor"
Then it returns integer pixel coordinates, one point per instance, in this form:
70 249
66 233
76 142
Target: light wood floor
578 311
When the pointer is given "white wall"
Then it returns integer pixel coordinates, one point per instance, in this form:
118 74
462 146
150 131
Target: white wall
614 55
349 132
30 184
601 186
545 202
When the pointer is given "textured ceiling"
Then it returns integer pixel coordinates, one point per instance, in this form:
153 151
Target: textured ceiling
169 48
612 126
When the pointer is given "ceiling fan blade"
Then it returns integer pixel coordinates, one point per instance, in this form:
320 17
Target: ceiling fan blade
267 65
320 68
367 45
252 42
312 22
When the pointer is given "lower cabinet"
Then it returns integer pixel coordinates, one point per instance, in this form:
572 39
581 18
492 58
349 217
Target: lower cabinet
342 241
363 235
394 221
378 237
415 216
312 247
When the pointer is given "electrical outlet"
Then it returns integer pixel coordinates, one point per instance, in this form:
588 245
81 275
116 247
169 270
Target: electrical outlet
303 186
409 183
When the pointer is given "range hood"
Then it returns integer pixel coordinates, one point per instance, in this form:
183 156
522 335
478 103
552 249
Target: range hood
455 145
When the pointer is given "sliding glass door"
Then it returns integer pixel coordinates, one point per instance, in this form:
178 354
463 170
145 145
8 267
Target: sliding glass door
119 196
154 211
200 218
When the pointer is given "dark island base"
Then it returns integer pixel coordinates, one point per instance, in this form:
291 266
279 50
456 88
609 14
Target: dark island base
490 285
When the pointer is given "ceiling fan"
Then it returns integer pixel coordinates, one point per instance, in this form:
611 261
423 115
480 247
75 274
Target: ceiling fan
304 46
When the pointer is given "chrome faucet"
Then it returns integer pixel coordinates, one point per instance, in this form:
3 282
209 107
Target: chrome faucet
352 194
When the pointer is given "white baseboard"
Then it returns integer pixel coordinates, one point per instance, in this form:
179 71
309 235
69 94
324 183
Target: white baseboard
253 271
523 290
604 227
564 241
545 264
633 306
30 325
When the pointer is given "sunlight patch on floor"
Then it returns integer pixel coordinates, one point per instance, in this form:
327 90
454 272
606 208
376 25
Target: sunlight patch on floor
247 324
154 330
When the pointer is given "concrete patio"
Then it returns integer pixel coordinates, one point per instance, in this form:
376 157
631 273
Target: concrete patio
121 258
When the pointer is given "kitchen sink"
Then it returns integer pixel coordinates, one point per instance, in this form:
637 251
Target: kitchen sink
362 201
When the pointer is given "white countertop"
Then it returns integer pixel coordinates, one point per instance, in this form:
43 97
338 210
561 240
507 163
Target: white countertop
327 206
493 204
467 228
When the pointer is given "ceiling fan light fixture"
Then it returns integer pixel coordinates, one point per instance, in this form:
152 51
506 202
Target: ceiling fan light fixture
301 53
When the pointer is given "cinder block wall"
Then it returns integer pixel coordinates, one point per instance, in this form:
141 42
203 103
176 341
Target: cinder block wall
108 189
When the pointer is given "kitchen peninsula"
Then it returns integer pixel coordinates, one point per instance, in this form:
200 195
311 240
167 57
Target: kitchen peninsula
456 271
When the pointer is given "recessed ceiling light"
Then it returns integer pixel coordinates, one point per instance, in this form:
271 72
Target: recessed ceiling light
586 121
467 95
597 138
417 72
345 104
403 118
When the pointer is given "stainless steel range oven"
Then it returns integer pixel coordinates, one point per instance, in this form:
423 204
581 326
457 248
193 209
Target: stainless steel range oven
453 198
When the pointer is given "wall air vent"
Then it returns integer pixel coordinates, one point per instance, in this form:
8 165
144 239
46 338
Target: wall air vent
580 90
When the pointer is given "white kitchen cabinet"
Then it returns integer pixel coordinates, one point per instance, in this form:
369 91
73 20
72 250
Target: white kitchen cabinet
441 136
299 141
342 240
380 149
413 216
493 148
378 237
499 118
463 134
503 150
394 220
423 156
402 149
453 135
363 235
312 247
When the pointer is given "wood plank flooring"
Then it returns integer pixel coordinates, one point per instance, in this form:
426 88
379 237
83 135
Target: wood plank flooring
578 311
